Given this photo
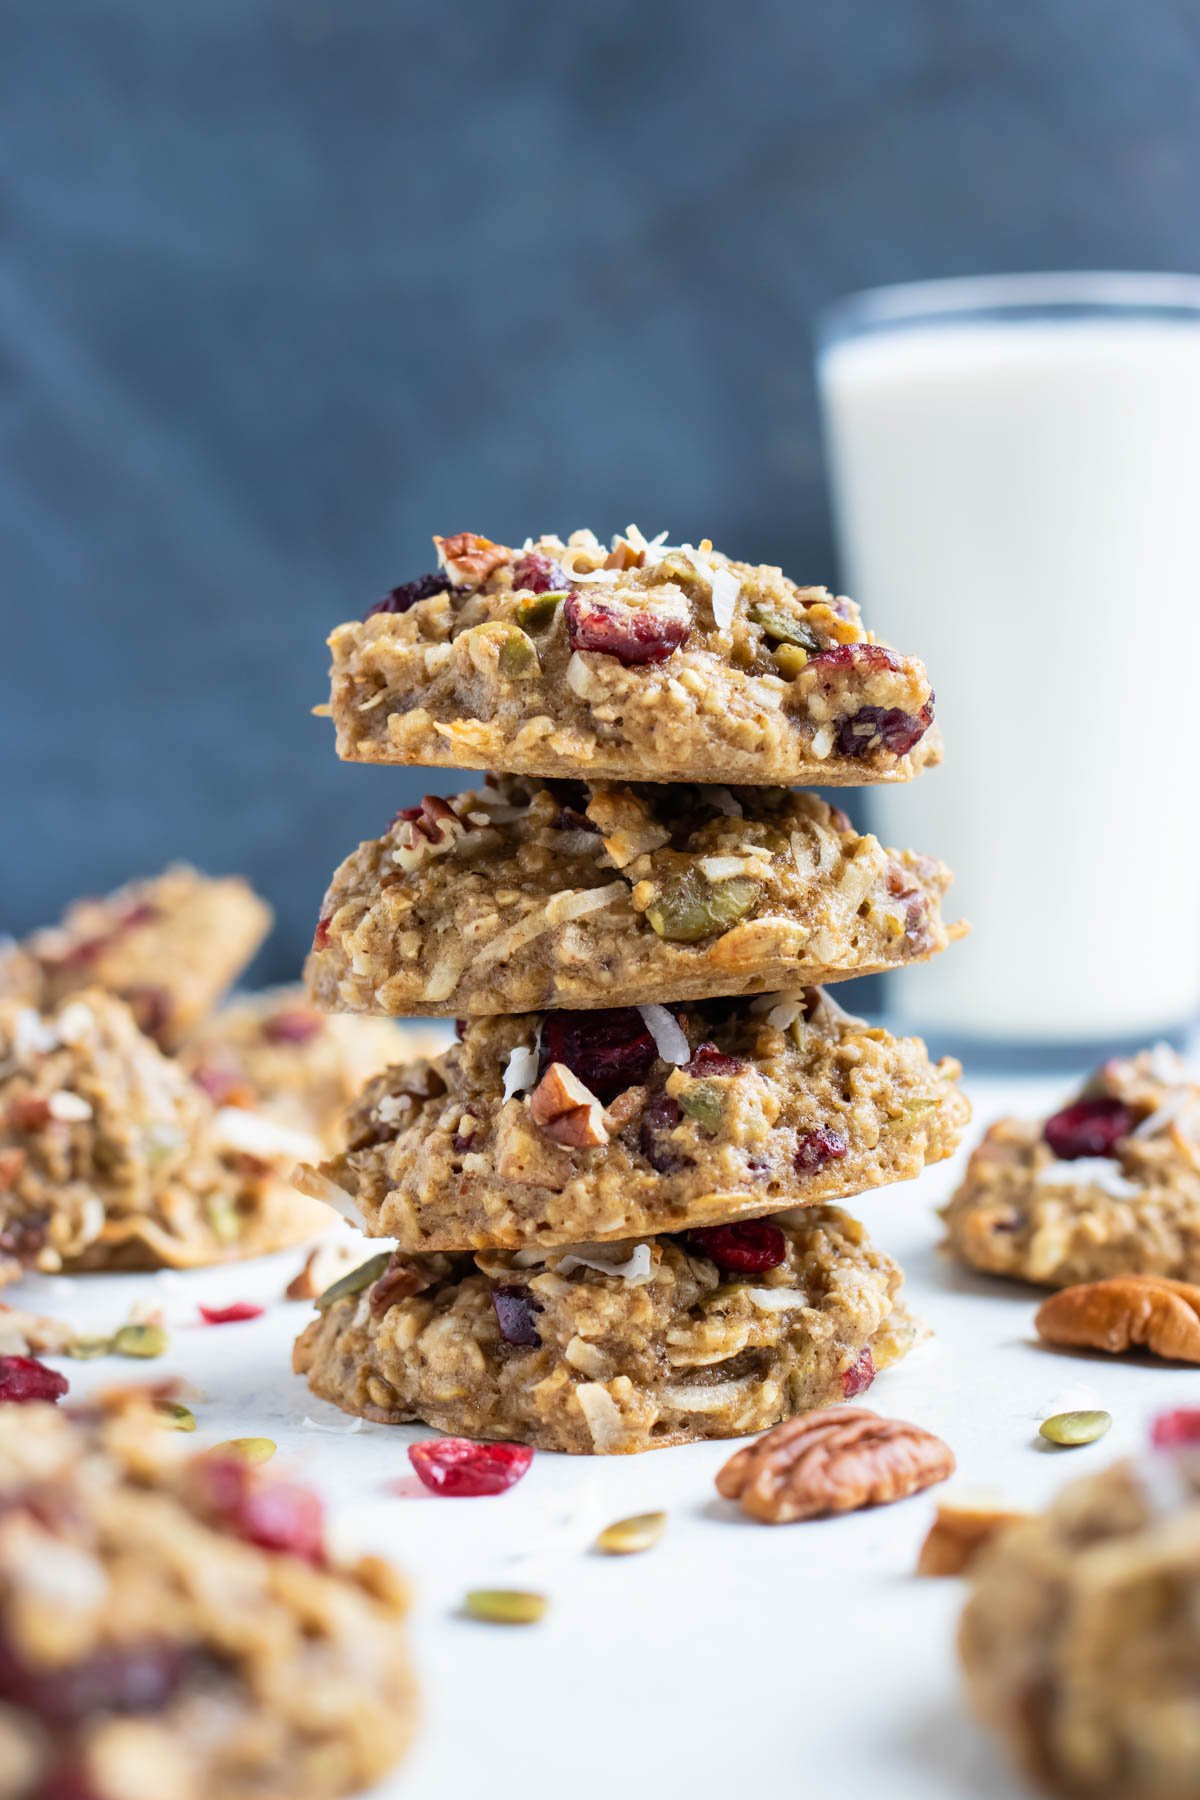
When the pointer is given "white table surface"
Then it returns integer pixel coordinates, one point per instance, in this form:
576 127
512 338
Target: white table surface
732 1659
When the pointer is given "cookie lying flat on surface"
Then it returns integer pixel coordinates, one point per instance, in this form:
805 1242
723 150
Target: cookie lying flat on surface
271 1052
555 1127
522 895
1081 1639
169 946
110 1157
617 1347
1108 1186
175 1628
647 664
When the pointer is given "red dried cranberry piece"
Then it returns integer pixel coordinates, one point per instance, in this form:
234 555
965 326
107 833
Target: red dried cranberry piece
1089 1128
610 1049
28 1112
235 1314
135 1678
67 1781
399 599
534 573
515 1307
816 1148
859 1376
297 1025
1172 1429
632 637
708 1060
743 1249
280 1516
882 728
864 658
572 797
321 934
24 1378
659 1120
460 1469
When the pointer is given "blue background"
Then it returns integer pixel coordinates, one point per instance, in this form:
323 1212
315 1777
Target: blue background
287 285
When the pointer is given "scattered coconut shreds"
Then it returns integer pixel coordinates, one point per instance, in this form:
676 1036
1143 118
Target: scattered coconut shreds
600 577
723 801
578 903
667 1033
1166 1064
785 1012
236 1129
31 1035
725 590
521 1071
1176 1104
355 1424
635 1268
68 1108
1089 1171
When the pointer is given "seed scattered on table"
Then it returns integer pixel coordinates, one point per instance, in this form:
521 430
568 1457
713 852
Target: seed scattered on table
626 1537
140 1340
505 1606
174 1417
86 1349
247 1449
1071 1428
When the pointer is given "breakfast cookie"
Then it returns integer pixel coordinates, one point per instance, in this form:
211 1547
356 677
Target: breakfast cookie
525 894
554 1127
1081 1638
1108 1186
615 1347
175 1628
271 1052
646 663
110 1157
168 946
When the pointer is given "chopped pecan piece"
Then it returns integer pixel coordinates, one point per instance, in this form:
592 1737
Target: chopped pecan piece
567 1111
959 1532
1128 1312
399 1281
832 1461
469 559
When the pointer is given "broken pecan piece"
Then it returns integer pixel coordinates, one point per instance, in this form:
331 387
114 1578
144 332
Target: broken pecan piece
959 1532
567 1111
832 1461
1127 1312
469 559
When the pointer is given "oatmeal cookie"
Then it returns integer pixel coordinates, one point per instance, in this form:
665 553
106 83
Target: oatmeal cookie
271 1052
548 1128
646 663
111 1158
1110 1185
1081 1638
522 895
173 1628
612 1348
168 946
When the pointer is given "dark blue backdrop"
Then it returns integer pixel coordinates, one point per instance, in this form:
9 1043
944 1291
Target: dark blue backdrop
287 285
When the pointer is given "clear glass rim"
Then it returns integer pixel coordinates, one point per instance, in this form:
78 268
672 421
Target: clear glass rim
1009 298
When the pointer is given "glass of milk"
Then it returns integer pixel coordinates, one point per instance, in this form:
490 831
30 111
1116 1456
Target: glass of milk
1015 465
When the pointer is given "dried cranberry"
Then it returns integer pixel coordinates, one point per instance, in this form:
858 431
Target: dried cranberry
280 1516
23 1238
224 1087
743 1249
321 934
610 1049
28 1112
458 1468
1173 1429
67 1781
24 1378
515 1307
858 658
708 1060
297 1025
816 1148
1089 1128
236 1314
859 1376
572 797
659 1120
882 728
399 599
534 573
632 637
134 1678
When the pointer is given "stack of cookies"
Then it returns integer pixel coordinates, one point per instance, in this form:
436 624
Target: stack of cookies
612 1200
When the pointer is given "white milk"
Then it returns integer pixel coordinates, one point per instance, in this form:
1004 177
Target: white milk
1019 504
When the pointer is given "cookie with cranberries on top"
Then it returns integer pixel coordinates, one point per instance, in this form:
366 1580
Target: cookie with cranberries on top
643 662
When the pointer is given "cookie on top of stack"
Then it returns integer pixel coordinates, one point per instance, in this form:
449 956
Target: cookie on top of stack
613 1199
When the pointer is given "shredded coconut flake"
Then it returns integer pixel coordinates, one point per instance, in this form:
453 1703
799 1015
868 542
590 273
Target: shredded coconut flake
1180 1101
32 1036
72 1109
776 1299
723 801
338 1430
828 1008
1166 1064
236 1129
724 868
1089 1171
602 1414
700 1399
575 903
725 590
785 1013
664 1028
521 1071
634 1269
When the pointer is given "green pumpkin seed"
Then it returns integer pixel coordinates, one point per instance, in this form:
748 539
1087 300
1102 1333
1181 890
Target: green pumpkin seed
84 1349
785 629
790 659
629 1536
365 1276
140 1340
1070 1428
505 1606
693 908
174 1417
247 1450
224 1218
536 611
517 658
703 1102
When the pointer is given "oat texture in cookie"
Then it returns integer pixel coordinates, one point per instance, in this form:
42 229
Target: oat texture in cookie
524 894
550 1128
168 946
1081 1638
1108 1185
648 662
615 1347
175 1627
273 1053
110 1157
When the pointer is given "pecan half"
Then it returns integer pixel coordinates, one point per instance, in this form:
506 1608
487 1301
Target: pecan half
567 1111
959 1532
1128 1312
832 1461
